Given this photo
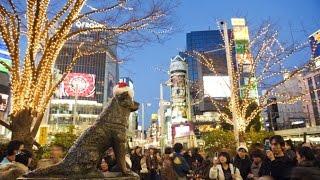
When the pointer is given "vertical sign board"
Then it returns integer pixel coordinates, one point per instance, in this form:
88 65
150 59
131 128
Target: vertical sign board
315 47
4 57
43 135
243 54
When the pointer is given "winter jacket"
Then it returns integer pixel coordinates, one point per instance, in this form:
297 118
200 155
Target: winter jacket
12 171
306 170
136 165
197 160
152 162
280 168
265 168
180 165
216 172
244 165
291 157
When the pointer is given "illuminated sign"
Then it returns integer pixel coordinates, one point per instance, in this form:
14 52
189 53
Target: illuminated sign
88 24
238 21
241 33
79 84
4 57
181 131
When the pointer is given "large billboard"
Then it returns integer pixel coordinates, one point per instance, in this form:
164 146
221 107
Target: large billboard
315 46
216 86
4 57
182 130
79 84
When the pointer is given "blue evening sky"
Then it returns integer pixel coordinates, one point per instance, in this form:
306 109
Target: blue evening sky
197 15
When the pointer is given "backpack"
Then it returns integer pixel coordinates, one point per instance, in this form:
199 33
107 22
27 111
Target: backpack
180 166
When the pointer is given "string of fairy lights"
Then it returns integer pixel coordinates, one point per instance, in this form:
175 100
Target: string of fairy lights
271 54
32 84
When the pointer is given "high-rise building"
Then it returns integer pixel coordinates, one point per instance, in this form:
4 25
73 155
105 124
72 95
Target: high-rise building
4 85
202 79
83 93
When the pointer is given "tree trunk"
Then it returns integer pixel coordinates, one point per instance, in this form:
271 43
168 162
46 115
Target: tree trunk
242 138
21 128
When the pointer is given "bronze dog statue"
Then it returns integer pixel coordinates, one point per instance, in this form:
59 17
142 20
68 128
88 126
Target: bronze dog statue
109 130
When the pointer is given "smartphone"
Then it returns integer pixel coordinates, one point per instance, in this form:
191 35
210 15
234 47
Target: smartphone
267 145
216 154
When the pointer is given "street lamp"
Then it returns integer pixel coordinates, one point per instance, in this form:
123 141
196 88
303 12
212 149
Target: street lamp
143 115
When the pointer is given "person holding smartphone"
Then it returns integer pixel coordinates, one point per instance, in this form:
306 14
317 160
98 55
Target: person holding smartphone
224 169
280 165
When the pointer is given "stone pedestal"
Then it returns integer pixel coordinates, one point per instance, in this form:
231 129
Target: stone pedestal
107 178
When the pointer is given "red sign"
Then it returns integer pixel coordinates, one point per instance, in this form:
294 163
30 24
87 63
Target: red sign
79 84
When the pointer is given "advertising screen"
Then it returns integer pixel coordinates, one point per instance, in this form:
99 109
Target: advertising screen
4 57
216 86
315 44
182 130
3 101
79 84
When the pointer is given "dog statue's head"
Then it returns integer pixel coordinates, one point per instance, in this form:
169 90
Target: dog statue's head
126 101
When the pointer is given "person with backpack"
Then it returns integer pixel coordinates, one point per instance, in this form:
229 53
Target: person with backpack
180 165
224 170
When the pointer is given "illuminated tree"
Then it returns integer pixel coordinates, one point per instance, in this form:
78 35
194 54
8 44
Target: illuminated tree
34 31
264 63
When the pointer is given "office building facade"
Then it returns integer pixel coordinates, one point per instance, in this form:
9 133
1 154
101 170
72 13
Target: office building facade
84 92
210 43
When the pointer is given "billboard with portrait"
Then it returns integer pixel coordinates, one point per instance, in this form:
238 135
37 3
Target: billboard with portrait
315 46
79 84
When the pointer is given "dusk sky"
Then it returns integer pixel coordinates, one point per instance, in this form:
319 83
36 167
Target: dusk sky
197 15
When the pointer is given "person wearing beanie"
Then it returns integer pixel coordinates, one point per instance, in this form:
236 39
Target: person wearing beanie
242 161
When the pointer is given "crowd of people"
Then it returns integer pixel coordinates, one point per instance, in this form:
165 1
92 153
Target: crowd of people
277 159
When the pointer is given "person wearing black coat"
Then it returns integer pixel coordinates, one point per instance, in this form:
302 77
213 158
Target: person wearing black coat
280 166
242 162
136 159
306 170
197 159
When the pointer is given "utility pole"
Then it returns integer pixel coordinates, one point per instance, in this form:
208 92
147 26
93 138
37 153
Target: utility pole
232 84
142 124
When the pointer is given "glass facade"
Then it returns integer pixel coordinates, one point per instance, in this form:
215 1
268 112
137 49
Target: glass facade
210 43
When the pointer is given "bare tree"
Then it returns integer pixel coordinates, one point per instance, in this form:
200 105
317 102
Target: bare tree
264 63
43 27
